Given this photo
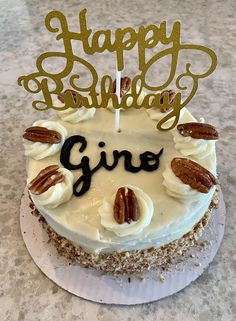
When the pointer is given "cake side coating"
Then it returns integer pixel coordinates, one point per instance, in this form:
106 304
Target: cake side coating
136 261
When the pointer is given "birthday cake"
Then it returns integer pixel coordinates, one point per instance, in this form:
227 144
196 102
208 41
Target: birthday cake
121 201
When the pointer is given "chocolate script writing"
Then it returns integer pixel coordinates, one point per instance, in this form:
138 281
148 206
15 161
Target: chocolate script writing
149 162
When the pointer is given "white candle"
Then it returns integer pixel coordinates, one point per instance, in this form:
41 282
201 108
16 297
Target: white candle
117 114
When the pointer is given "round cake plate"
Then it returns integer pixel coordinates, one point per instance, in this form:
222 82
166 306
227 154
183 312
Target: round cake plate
104 288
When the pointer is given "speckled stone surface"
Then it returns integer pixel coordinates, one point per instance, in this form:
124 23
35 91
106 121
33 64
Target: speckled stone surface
25 293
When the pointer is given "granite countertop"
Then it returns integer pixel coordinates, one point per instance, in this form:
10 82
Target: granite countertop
27 294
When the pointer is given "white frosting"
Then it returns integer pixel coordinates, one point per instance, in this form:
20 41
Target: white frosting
38 150
197 148
79 221
157 115
56 194
74 115
176 188
146 212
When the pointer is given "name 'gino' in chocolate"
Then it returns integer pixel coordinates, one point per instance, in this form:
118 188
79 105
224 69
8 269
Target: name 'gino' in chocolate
149 162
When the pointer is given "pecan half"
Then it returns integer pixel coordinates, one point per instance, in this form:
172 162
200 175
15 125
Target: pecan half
125 86
46 178
193 174
42 135
198 130
126 208
74 96
171 95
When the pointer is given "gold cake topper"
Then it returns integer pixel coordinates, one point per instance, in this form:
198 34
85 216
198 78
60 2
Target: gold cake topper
124 40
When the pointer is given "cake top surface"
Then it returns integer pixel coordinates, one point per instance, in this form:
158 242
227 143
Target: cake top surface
168 207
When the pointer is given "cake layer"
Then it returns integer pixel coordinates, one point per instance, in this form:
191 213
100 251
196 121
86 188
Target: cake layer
168 215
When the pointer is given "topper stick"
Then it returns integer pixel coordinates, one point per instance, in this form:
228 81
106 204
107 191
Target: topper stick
117 115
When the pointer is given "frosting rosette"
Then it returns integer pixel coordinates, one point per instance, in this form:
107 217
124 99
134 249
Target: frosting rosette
56 194
177 189
197 148
74 115
135 227
39 150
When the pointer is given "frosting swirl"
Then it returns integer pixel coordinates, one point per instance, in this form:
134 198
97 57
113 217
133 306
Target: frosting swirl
56 194
176 188
74 115
38 150
146 212
197 148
